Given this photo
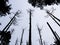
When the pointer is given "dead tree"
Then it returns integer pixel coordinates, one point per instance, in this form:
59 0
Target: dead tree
5 35
22 37
40 41
57 42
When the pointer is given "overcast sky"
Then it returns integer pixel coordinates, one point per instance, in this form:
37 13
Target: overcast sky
38 18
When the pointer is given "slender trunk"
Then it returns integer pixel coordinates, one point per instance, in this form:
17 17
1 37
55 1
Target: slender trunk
22 37
39 30
10 23
55 34
30 29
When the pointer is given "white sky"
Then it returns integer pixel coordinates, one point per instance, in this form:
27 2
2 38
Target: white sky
38 18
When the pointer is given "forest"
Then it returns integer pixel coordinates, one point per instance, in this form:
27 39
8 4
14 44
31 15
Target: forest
6 33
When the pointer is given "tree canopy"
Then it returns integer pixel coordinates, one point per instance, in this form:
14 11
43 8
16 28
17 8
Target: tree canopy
41 3
4 7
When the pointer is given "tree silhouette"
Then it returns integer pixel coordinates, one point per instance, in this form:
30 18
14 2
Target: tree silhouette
4 7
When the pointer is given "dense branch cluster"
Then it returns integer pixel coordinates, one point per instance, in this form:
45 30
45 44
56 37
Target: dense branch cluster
4 7
41 3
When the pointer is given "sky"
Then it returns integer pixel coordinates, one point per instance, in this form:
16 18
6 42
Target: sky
38 18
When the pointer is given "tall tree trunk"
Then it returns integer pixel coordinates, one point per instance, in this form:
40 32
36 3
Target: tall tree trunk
30 42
